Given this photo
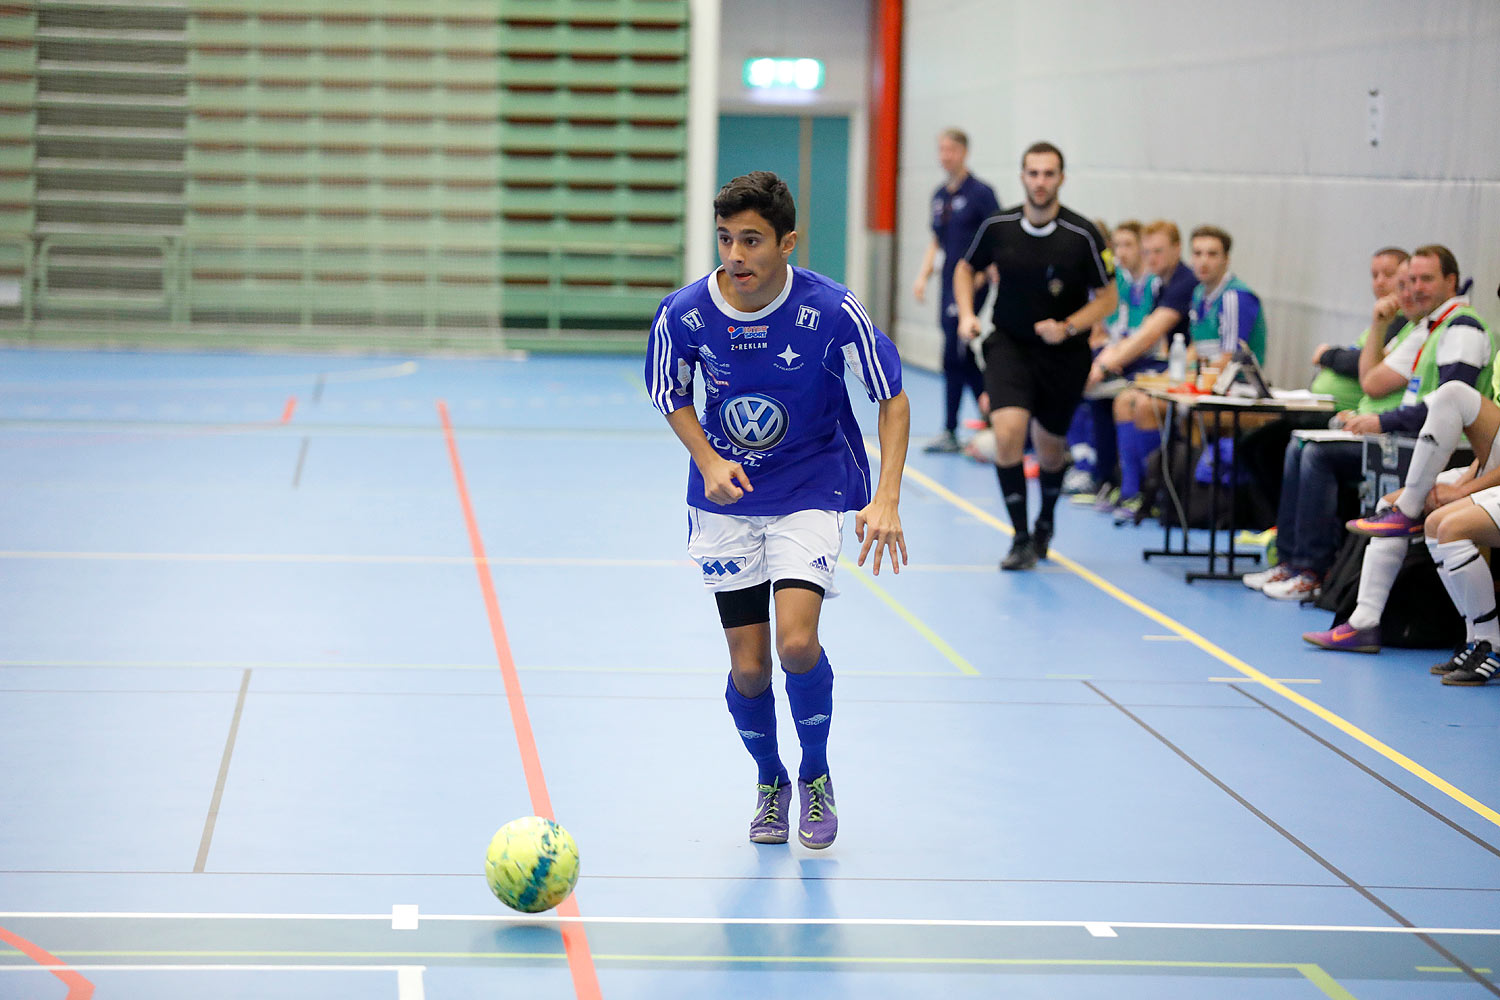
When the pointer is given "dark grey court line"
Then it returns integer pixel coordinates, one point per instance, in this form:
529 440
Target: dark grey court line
1451 824
301 459
213 807
317 394
1291 838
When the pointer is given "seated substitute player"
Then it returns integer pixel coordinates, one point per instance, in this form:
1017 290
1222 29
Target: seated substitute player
1136 420
777 458
1136 288
1225 314
1050 259
1454 533
1441 399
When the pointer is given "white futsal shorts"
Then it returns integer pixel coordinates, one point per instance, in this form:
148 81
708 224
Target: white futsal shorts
1489 502
738 552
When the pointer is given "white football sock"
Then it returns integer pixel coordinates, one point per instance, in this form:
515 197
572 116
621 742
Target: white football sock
1383 558
1460 568
1451 407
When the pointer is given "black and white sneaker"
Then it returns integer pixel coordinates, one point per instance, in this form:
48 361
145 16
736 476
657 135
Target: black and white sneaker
1480 667
1022 556
1458 661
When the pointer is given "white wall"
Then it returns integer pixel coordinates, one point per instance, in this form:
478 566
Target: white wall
1251 116
835 31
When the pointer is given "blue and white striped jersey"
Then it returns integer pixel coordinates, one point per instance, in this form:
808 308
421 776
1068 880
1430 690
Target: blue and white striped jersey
774 393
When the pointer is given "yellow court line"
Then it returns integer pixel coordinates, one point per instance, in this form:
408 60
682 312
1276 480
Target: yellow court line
952 655
1228 659
639 383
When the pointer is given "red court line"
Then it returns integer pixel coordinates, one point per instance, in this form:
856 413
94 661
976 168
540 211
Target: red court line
291 407
78 987
575 940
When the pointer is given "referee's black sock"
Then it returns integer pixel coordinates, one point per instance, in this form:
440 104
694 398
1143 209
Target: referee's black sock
1051 483
1013 489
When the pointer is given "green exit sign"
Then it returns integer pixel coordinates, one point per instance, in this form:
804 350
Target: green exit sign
784 74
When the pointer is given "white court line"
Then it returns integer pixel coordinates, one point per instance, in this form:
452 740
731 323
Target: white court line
552 918
397 969
409 983
297 557
404 917
318 557
290 378
1100 930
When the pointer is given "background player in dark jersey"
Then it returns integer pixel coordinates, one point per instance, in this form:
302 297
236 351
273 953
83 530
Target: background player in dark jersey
777 459
959 207
1050 260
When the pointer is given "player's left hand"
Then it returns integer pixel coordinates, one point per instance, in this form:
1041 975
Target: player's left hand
1443 494
878 526
1052 331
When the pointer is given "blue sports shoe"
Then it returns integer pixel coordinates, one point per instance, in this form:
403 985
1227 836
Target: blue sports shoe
772 804
820 818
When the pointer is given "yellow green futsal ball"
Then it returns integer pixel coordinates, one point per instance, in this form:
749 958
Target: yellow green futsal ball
532 864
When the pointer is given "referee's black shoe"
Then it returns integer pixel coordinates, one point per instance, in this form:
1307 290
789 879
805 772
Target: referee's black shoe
1022 555
1041 538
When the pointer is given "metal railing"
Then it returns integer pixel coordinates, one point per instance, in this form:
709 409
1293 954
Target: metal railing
332 275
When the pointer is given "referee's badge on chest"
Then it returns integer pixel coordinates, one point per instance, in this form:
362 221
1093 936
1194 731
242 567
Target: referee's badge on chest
1055 286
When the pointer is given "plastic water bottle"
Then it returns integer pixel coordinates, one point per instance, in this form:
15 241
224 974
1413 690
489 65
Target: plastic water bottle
1177 360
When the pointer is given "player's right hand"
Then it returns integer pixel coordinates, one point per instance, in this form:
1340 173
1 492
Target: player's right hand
920 288
968 327
720 479
1386 309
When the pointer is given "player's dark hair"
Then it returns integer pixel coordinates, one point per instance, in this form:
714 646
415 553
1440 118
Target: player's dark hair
1446 261
1213 232
958 135
1401 255
1043 147
762 192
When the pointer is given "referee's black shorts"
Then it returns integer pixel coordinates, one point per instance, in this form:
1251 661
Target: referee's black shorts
1045 380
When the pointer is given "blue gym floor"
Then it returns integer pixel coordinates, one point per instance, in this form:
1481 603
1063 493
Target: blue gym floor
255 731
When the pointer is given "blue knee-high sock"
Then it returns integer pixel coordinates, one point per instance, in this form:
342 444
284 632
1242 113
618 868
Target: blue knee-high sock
755 718
810 696
1131 459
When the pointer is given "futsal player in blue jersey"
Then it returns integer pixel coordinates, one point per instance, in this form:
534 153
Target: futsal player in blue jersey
777 460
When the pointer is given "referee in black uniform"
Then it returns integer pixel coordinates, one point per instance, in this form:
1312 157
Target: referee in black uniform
1050 259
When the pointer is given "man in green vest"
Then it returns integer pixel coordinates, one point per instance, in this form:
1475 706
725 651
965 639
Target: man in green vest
1338 367
1308 530
1442 401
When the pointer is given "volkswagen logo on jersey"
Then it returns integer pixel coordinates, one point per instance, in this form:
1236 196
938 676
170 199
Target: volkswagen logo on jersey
754 421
